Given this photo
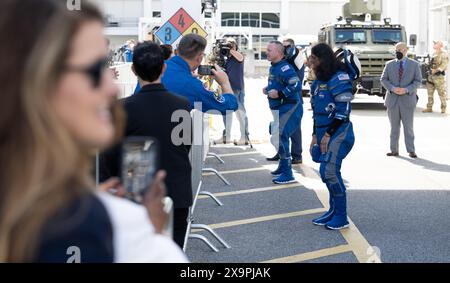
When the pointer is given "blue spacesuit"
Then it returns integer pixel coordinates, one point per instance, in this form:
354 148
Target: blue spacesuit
331 104
287 111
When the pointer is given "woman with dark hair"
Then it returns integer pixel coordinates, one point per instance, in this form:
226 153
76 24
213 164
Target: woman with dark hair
167 50
333 136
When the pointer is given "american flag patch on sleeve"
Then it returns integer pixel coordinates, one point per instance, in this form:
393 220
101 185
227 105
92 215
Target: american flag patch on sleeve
285 68
344 77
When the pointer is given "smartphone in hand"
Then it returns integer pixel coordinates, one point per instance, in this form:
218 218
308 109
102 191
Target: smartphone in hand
205 70
140 161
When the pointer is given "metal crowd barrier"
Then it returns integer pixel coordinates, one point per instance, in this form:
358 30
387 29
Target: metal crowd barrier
199 151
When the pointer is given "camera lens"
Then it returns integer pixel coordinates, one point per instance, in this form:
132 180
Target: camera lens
225 52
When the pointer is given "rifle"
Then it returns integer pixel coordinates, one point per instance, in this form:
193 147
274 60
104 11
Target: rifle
429 67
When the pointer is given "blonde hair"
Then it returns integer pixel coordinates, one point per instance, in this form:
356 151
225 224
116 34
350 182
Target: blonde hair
43 169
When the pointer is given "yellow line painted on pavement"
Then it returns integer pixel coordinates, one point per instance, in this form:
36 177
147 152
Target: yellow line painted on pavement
312 255
363 251
235 154
264 218
259 190
237 171
360 246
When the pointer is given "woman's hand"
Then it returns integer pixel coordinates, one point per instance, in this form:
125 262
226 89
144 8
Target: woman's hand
153 201
324 143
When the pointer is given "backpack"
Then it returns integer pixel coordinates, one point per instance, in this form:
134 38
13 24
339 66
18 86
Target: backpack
294 58
351 61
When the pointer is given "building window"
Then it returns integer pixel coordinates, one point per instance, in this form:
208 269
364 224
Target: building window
230 19
255 20
270 20
157 14
250 20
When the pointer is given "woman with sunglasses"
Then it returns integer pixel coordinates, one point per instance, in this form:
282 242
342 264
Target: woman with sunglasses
57 100
333 136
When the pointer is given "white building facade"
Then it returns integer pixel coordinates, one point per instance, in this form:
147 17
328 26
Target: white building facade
269 18
266 20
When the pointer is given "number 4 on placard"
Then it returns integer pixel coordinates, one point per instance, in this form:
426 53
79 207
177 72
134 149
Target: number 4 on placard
181 21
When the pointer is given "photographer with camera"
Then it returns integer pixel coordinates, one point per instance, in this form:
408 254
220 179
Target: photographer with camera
234 67
178 77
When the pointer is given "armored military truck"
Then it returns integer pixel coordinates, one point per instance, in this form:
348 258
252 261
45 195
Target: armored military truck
363 32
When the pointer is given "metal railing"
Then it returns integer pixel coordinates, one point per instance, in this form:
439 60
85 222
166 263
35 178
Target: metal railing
198 154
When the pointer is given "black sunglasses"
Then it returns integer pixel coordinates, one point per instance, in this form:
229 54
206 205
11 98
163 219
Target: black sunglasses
95 71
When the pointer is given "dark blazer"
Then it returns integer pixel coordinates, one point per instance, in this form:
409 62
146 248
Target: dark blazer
411 80
149 113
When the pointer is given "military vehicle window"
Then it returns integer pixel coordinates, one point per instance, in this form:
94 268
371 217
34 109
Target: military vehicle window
322 37
350 36
388 36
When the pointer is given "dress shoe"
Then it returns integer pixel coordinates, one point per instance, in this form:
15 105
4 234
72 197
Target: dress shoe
296 161
412 155
275 158
222 141
395 154
241 142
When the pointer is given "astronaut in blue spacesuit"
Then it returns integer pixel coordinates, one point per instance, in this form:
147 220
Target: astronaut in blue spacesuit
333 136
282 91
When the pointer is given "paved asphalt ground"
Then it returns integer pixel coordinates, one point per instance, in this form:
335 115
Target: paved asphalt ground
400 207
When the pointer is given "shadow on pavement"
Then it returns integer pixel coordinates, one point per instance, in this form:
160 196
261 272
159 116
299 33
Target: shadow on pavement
427 164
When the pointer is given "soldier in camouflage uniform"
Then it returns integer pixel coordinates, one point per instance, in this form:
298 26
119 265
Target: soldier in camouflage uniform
436 78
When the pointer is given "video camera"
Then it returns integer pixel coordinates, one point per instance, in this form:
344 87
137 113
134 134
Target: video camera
221 52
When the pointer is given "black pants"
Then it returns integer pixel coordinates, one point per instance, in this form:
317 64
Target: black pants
180 216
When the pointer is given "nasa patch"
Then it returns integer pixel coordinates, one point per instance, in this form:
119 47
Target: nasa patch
285 68
323 87
344 77
219 98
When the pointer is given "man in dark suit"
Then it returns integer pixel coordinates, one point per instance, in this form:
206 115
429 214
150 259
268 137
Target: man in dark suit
401 78
149 113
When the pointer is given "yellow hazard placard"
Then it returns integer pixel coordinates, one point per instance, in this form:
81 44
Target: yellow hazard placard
197 29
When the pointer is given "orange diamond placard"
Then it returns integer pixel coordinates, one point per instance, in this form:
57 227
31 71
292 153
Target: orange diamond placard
181 20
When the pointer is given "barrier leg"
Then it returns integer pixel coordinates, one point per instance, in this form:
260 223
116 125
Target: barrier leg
216 156
203 239
211 231
212 170
219 203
